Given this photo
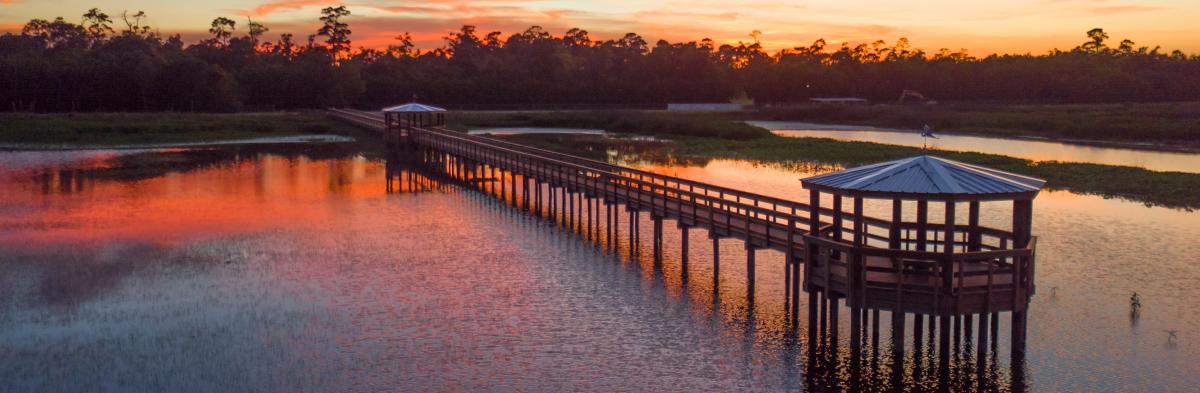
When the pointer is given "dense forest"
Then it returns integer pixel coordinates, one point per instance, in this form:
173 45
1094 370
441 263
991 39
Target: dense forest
102 65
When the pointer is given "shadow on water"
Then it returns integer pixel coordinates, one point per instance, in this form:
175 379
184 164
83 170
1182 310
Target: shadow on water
885 358
67 179
67 276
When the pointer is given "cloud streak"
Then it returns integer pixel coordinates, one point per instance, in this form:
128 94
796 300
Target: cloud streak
983 27
1123 9
283 5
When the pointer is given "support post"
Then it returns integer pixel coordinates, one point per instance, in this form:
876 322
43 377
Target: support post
948 294
922 219
658 237
587 201
750 251
716 247
854 279
683 250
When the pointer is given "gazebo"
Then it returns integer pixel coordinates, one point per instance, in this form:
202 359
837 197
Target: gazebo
414 114
941 269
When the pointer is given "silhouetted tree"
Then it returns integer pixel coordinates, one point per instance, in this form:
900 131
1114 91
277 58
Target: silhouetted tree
56 65
97 24
134 27
256 30
336 32
221 29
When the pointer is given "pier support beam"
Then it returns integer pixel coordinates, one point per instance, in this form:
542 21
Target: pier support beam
633 238
616 227
551 200
875 330
658 237
795 266
683 250
607 225
592 216
943 349
580 201
570 210
716 248
981 349
750 253
833 324
525 193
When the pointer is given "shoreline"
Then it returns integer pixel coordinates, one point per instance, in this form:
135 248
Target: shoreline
1154 188
309 138
1141 146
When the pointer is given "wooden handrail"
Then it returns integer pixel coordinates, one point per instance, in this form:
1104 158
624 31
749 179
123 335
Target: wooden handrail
760 208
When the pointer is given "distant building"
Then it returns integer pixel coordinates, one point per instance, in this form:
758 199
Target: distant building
839 100
705 107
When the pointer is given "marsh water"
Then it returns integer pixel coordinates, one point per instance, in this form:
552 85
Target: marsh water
1036 150
319 268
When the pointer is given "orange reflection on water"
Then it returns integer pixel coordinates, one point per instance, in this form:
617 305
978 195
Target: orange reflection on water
243 196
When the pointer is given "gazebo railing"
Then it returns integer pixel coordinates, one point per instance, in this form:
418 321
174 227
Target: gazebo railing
973 281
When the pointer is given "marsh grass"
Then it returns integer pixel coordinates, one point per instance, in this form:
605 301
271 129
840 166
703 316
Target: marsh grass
628 122
699 136
1169 189
1176 123
1172 189
142 128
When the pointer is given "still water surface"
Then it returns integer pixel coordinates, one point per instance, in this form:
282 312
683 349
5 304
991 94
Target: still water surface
1093 253
286 271
1027 149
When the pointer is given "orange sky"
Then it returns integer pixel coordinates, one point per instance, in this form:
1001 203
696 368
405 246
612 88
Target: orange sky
1015 26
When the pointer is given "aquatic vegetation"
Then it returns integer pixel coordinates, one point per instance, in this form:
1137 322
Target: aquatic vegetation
135 128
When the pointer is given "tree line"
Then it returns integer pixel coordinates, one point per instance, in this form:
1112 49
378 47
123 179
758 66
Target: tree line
100 64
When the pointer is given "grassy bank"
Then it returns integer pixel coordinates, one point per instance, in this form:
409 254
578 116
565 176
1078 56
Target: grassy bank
663 124
1175 123
109 129
1172 189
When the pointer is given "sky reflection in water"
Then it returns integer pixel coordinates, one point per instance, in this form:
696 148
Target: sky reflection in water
1166 161
282 271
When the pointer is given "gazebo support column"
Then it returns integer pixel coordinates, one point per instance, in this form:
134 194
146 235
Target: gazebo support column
1022 228
855 282
949 302
894 241
975 237
922 219
810 260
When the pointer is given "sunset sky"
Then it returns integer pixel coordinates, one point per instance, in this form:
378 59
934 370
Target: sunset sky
1016 26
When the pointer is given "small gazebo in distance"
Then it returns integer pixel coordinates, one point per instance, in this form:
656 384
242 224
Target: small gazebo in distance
399 119
415 114
949 270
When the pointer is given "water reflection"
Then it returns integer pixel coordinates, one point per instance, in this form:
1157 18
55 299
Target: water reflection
332 271
1028 149
831 363
1094 251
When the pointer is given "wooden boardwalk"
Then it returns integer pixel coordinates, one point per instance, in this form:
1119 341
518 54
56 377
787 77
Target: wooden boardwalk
905 265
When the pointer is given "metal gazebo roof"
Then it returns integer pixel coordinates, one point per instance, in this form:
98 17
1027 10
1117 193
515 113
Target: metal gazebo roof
413 107
928 177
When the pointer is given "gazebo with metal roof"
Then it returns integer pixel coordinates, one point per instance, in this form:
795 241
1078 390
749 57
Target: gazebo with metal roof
928 178
414 114
945 269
